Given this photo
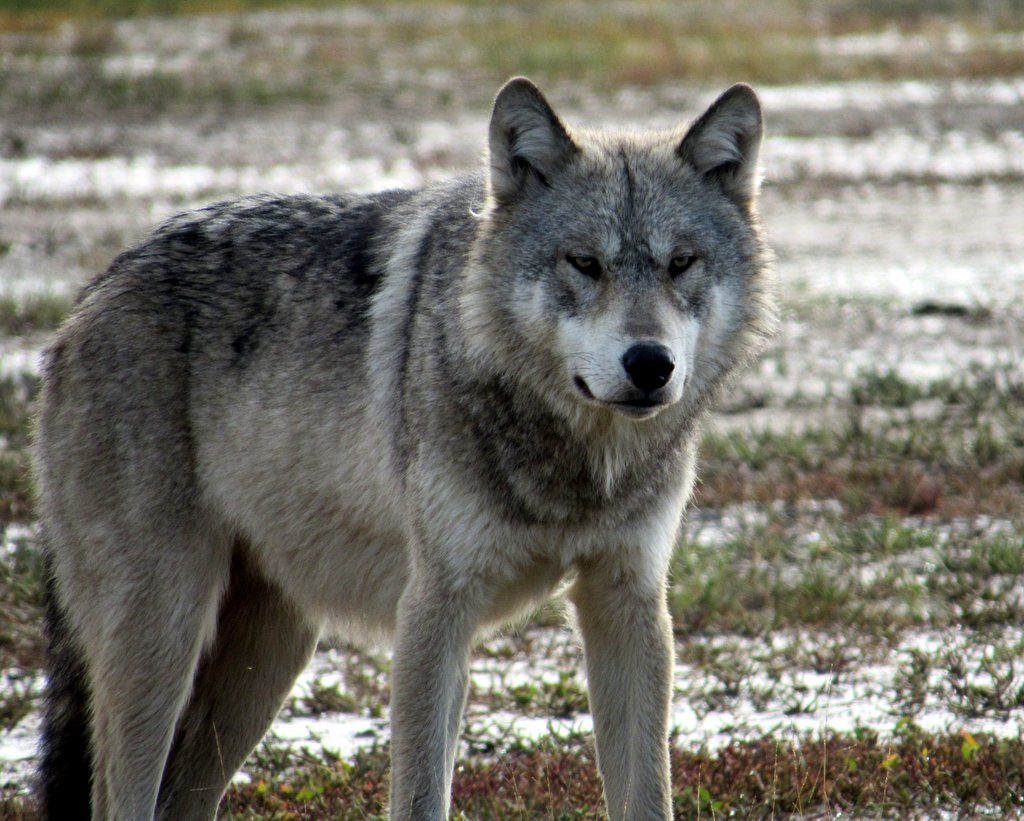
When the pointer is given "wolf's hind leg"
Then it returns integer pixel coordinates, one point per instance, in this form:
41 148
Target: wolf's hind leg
262 644
145 651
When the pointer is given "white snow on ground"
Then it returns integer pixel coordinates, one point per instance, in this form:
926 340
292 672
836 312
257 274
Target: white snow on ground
40 178
15 359
13 536
878 96
891 41
18 754
893 153
951 157
754 689
800 701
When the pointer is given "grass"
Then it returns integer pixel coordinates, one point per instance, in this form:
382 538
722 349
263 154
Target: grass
324 699
963 454
861 775
42 312
17 700
21 605
870 575
885 388
18 318
563 698
90 90
113 9
841 14
17 398
805 776
602 46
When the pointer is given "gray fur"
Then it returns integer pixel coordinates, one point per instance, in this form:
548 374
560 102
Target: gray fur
402 415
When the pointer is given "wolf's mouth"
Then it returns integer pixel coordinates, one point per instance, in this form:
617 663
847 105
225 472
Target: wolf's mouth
641 408
637 406
581 386
643 402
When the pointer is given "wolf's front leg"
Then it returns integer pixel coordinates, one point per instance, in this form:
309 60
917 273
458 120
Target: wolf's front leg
627 639
428 693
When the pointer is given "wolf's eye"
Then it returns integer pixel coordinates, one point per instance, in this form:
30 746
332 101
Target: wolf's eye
678 265
588 266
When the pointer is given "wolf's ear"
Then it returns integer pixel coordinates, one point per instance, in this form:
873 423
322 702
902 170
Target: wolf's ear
527 141
724 143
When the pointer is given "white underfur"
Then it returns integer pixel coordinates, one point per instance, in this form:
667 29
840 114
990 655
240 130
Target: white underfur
722 314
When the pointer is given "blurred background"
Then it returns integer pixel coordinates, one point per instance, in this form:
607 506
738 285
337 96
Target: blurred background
848 587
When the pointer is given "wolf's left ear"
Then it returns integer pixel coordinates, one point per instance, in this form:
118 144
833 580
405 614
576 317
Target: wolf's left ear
527 141
724 143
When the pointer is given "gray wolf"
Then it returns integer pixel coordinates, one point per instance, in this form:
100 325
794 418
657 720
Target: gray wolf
409 415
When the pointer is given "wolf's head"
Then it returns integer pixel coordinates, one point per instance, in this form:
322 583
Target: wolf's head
620 272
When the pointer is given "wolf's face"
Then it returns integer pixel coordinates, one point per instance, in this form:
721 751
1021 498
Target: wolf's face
628 264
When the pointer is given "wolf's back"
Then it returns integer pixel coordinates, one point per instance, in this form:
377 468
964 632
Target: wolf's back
207 299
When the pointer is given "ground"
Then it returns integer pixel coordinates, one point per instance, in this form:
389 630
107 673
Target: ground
847 592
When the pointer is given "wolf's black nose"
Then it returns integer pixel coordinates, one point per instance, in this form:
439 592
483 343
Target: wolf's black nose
649 365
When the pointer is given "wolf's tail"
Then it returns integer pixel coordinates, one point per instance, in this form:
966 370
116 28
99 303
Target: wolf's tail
65 765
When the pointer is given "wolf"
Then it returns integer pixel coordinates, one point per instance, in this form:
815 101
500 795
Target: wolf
404 416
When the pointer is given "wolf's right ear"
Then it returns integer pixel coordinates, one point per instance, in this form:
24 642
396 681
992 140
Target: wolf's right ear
527 141
724 143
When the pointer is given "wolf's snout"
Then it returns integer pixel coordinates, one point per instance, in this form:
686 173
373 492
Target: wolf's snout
649 365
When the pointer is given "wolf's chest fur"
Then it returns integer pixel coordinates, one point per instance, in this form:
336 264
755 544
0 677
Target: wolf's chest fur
539 469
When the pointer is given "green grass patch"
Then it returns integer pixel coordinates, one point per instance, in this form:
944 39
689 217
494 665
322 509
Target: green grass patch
15 486
875 576
21 604
45 15
658 42
836 15
963 457
18 697
90 91
42 312
17 398
858 774
601 45
324 699
563 698
364 686
885 388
